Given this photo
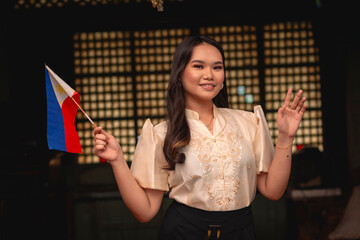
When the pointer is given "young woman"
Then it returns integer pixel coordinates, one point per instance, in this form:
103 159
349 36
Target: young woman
210 158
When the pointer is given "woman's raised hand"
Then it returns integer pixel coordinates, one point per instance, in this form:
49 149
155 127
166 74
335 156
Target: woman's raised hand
106 146
290 114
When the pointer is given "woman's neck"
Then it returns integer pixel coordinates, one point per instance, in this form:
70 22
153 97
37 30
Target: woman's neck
205 110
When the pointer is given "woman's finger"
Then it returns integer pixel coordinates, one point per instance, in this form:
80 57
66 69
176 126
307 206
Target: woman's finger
100 142
296 100
97 130
301 103
99 147
101 136
108 135
303 109
288 97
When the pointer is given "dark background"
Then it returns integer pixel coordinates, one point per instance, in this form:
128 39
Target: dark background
39 200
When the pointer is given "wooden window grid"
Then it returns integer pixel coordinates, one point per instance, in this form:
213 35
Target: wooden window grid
292 60
122 77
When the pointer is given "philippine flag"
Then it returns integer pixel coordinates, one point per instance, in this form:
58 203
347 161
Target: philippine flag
61 113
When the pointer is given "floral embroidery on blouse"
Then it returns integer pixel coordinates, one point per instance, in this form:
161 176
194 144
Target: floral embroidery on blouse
221 160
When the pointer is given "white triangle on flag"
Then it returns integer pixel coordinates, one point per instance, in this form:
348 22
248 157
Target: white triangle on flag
61 89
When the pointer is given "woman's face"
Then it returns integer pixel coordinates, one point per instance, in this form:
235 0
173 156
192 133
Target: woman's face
203 76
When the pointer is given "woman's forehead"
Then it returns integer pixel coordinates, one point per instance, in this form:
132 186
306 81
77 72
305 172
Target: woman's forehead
206 52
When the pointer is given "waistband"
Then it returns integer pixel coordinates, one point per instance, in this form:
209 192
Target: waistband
228 221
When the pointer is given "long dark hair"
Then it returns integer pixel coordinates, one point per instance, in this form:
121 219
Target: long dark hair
178 131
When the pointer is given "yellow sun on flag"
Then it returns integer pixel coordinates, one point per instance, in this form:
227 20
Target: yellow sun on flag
59 89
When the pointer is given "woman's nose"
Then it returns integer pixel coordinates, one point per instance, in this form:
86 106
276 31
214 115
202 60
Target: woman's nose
207 74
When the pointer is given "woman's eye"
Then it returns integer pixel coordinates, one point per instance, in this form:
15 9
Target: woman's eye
197 66
218 67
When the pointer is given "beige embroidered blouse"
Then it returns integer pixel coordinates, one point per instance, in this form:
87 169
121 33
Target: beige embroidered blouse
219 173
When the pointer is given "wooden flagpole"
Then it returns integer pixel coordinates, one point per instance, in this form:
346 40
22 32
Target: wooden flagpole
94 125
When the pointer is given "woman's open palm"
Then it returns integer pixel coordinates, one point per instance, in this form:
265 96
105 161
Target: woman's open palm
290 115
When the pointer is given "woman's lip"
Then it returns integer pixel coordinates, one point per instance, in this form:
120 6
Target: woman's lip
207 86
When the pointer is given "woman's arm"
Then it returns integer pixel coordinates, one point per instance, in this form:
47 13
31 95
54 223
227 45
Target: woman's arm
144 204
273 183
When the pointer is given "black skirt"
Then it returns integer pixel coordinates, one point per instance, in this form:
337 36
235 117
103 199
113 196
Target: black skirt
182 222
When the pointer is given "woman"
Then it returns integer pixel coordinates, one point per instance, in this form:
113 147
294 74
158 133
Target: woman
209 157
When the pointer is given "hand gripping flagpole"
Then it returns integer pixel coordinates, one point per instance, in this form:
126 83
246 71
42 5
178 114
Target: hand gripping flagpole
87 116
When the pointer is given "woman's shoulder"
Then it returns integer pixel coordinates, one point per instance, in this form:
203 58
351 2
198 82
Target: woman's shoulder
236 112
154 128
243 114
161 126
158 127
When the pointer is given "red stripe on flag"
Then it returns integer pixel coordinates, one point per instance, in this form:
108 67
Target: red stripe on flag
69 110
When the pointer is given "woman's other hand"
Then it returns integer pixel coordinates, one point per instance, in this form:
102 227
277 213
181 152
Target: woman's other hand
290 115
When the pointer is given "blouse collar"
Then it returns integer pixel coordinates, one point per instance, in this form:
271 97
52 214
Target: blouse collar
194 115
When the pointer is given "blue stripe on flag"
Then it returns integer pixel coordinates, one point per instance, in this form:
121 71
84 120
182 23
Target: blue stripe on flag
55 121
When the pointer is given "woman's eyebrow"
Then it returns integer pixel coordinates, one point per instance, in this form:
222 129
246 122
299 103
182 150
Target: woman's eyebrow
201 61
